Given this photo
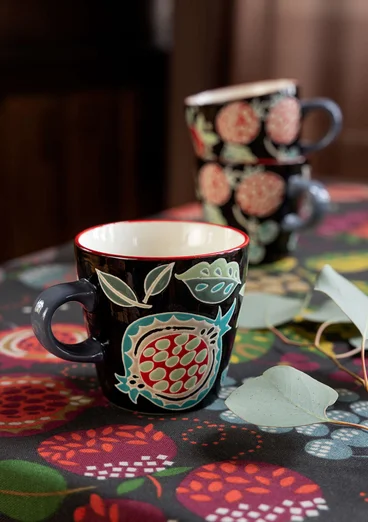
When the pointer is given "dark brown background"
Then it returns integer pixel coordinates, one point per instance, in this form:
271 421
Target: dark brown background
91 118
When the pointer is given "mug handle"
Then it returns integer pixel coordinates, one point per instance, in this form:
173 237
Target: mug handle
82 291
335 114
320 201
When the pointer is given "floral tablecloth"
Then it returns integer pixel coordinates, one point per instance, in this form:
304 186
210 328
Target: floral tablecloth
67 455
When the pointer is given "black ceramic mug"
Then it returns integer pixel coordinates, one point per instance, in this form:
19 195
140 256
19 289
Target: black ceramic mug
161 301
271 203
256 122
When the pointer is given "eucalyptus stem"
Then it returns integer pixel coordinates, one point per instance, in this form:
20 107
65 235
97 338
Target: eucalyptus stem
363 363
316 344
350 424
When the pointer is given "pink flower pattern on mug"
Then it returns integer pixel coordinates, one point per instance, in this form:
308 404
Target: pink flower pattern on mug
283 121
213 184
260 194
238 122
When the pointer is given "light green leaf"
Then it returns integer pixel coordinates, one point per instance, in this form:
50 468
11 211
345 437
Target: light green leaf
129 485
117 291
212 283
236 153
210 138
357 342
157 280
347 296
328 311
170 472
282 397
29 492
213 214
260 310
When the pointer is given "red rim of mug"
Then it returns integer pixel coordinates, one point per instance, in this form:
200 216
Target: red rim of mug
156 258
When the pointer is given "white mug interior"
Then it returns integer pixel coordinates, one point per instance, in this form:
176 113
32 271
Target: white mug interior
161 239
241 92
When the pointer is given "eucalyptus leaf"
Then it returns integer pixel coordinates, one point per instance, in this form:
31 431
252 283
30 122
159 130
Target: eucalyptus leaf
261 310
282 397
30 492
212 282
346 295
157 280
118 291
357 342
328 311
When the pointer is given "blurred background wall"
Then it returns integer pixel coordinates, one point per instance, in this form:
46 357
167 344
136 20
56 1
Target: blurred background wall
91 105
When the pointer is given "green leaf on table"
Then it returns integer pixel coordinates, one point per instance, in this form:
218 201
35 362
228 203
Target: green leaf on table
171 472
212 282
328 311
29 492
157 280
346 295
129 485
357 342
118 291
282 397
260 310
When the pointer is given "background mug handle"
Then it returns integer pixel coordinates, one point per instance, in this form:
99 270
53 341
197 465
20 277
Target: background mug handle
319 199
82 291
335 114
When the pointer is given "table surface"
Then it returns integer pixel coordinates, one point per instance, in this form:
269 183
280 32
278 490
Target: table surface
67 455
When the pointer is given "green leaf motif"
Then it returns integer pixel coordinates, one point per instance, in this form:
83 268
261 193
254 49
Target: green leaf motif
250 345
282 397
26 490
171 472
213 214
347 296
118 292
260 310
268 232
211 283
157 280
129 485
236 153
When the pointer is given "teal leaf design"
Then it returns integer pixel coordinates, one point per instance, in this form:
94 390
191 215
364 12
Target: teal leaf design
117 291
268 232
282 397
171 472
29 492
256 252
129 485
346 295
260 310
220 277
157 280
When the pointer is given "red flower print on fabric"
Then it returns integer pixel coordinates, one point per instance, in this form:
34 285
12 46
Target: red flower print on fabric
260 194
283 121
20 347
238 122
241 489
31 404
110 510
213 184
117 451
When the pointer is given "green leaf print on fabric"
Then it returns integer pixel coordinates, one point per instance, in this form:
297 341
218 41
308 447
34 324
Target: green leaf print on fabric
29 492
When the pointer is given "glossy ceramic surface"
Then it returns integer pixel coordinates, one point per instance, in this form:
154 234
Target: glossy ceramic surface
271 203
255 123
161 326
